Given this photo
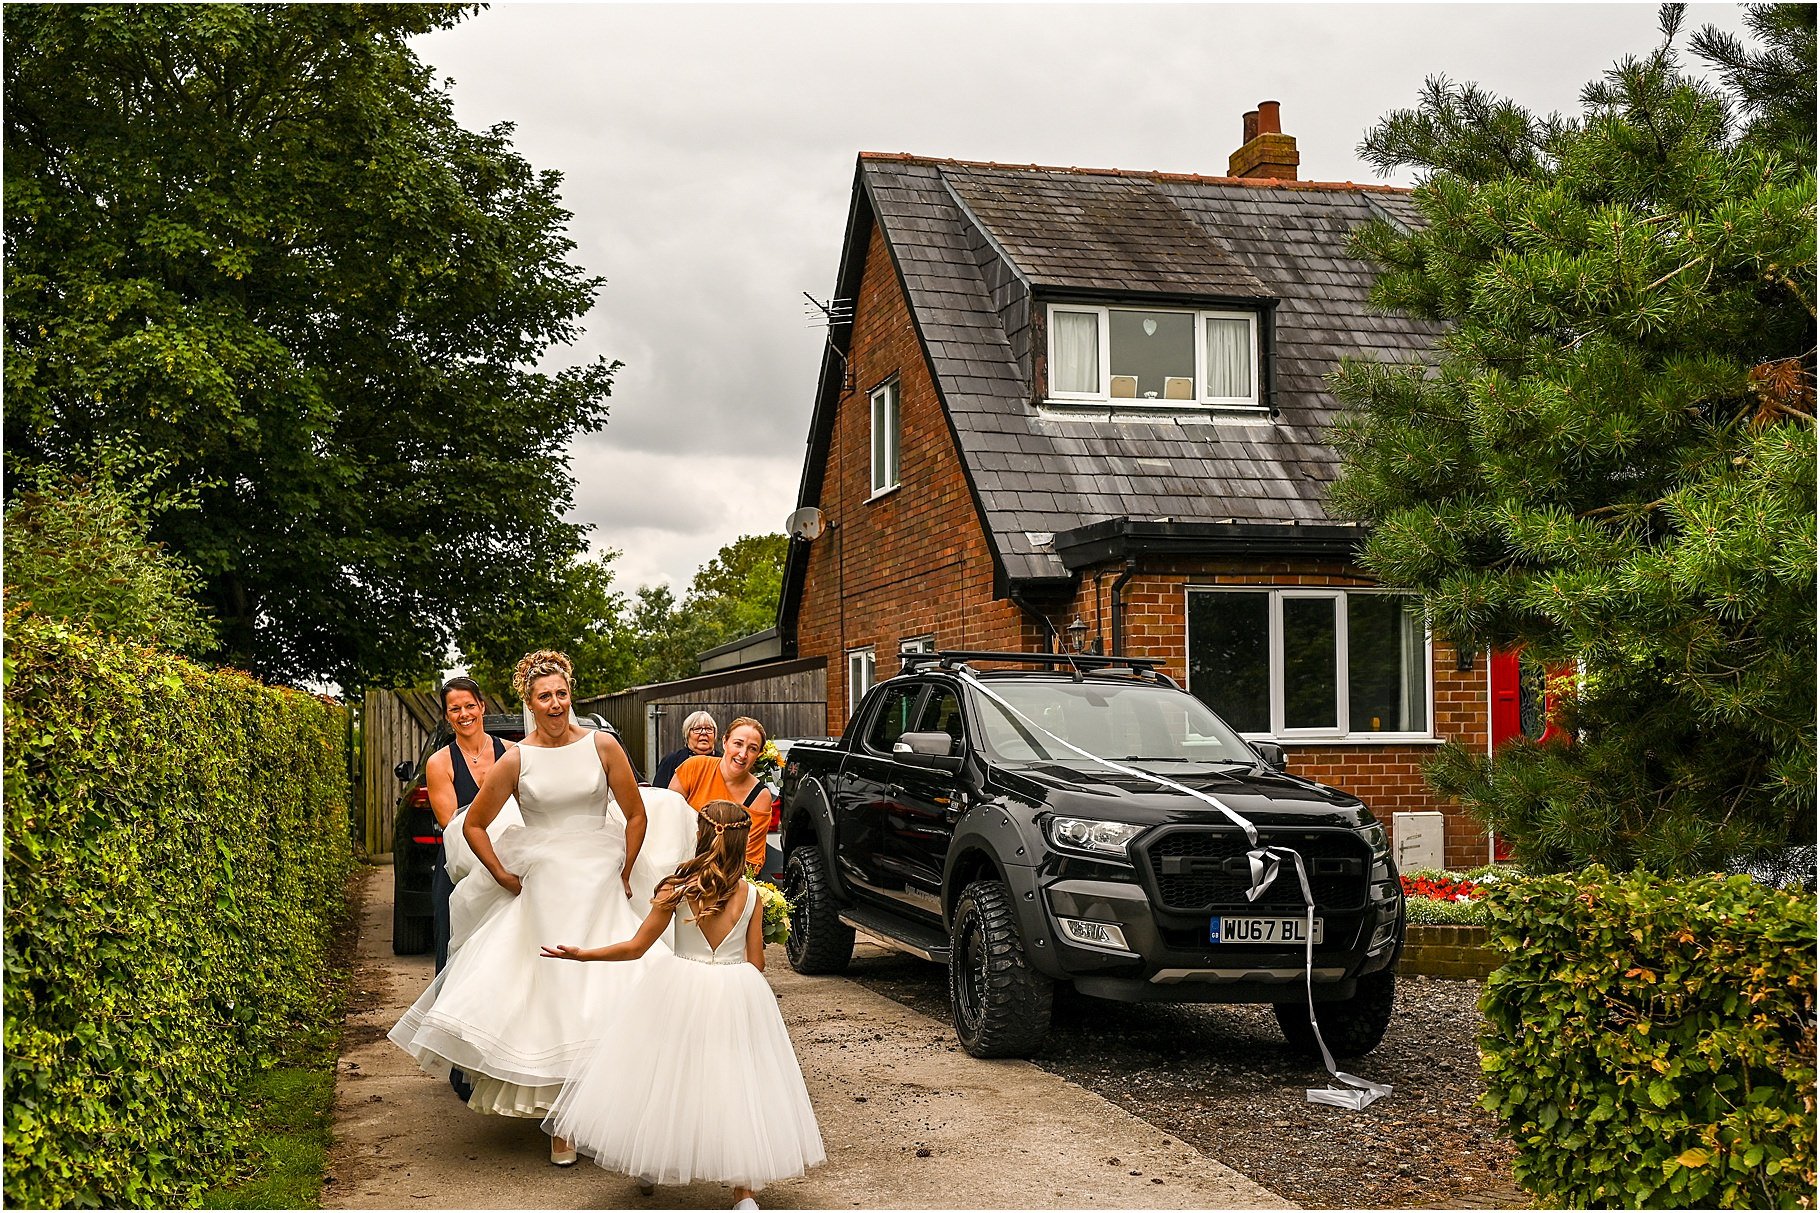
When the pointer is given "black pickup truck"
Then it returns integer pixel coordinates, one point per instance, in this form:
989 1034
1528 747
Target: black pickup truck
964 833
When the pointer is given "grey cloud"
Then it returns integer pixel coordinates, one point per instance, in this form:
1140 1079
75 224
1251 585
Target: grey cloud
708 152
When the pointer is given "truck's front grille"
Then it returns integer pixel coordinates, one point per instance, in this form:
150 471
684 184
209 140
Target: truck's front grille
1201 869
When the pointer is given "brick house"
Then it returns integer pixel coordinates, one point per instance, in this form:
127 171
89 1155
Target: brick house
1087 406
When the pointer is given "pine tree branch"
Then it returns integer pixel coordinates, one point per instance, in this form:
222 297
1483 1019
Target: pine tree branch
1664 278
1623 507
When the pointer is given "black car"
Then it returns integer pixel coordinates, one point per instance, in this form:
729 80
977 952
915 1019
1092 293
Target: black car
961 832
417 840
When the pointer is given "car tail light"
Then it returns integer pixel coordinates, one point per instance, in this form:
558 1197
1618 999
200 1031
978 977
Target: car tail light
428 840
420 798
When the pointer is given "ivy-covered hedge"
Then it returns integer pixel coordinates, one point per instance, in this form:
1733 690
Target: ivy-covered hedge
1651 1041
176 858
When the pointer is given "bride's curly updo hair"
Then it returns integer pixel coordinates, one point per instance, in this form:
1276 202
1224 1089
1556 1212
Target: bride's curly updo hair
719 865
540 664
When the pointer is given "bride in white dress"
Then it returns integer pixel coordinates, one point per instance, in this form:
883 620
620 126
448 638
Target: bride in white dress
514 1025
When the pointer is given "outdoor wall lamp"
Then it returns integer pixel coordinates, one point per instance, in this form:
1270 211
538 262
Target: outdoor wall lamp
1077 634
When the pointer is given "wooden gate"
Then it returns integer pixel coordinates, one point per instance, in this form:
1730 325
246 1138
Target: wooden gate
394 726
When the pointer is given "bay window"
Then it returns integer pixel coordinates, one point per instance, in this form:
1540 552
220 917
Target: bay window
1153 357
1311 663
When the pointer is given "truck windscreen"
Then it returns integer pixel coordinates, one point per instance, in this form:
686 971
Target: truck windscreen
1122 722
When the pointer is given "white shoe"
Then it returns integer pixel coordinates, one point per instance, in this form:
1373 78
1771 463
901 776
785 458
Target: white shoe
563 1156
747 1203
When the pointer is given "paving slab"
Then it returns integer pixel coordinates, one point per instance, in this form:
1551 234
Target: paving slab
910 1121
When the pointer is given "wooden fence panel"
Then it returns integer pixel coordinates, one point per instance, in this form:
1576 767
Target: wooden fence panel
788 705
790 698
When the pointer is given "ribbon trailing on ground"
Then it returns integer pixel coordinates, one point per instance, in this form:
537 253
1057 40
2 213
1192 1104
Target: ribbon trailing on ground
1265 864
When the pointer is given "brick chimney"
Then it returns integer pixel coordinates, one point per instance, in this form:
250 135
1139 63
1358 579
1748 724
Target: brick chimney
1267 151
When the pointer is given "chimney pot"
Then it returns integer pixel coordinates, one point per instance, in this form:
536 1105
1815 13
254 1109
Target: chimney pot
1267 152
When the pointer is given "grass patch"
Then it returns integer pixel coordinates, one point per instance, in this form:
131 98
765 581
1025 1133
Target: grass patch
292 1107
291 1104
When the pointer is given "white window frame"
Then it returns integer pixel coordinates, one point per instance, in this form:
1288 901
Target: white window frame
917 644
1342 687
884 399
862 669
1251 403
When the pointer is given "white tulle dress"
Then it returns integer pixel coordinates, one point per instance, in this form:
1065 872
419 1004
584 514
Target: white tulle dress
695 1078
514 1022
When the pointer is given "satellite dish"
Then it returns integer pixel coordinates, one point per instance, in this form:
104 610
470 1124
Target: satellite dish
806 523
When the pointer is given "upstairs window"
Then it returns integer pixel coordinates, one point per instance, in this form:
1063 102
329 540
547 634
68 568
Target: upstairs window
884 438
1153 357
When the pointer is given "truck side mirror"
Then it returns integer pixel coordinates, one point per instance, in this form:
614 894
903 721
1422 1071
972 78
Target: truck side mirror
932 750
1272 754
405 771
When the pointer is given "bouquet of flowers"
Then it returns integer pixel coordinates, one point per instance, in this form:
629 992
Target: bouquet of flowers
776 909
769 765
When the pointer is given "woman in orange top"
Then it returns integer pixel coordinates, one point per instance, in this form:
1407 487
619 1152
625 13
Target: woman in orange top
704 779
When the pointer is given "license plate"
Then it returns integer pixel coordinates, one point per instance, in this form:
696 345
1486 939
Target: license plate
1262 930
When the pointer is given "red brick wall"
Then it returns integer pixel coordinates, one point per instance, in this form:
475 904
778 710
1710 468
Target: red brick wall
915 562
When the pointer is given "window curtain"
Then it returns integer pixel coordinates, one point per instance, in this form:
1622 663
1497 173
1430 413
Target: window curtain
1228 358
1074 353
1414 691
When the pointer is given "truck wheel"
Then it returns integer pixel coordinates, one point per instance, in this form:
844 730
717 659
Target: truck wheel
819 942
1352 1027
1001 1005
411 936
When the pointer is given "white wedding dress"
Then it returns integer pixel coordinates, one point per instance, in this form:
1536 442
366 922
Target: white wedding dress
515 1022
695 1077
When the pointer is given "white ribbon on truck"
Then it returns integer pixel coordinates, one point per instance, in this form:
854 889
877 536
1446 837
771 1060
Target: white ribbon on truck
1265 864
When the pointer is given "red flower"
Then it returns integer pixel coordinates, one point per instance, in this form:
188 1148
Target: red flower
1446 888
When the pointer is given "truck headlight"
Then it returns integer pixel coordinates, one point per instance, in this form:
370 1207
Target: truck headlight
1379 842
1094 837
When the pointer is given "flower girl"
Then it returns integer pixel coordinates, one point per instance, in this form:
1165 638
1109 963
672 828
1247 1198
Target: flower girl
697 1080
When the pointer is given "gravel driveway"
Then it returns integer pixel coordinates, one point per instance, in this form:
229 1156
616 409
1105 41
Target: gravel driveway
1221 1079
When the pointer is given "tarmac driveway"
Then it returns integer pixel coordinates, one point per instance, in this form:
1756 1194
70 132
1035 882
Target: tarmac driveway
909 1120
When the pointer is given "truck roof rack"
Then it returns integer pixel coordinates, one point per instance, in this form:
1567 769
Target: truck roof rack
950 659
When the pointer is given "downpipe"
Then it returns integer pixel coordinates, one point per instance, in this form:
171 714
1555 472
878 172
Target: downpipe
1118 608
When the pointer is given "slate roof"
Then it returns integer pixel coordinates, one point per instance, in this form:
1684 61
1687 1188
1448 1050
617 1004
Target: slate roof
979 246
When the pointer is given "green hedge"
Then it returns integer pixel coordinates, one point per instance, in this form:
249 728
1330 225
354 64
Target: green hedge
1652 1041
176 859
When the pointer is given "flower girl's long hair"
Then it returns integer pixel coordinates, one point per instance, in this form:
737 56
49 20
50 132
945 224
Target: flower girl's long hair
719 865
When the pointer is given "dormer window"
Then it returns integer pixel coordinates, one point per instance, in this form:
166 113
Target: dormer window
1153 357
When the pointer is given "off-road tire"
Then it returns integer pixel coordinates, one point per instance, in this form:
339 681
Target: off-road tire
819 942
1352 1027
1000 1004
411 936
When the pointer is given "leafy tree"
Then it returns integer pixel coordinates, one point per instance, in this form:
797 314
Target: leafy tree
738 589
1612 462
733 595
574 609
77 548
252 241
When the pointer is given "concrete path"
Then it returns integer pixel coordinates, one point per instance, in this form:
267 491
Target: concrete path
909 1120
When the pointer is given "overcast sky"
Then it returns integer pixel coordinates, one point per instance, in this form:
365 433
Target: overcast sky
708 155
